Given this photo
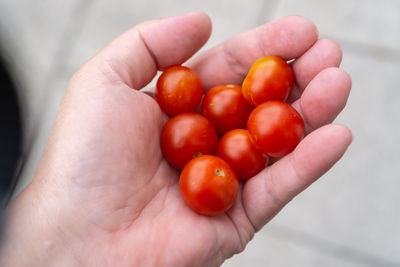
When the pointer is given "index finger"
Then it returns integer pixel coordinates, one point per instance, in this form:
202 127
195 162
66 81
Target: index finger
288 38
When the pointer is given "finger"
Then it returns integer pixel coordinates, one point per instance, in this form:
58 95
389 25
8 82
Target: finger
324 98
135 56
229 62
267 193
323 54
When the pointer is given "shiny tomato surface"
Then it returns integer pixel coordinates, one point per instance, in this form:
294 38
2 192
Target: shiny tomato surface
208 185
275 128
239 152
186 136
269 78
226 108
179 90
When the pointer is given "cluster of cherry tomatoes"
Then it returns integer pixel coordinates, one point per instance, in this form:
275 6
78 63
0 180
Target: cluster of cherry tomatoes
238 129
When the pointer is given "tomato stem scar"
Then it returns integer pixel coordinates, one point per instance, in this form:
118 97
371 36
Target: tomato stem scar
197 154
219 172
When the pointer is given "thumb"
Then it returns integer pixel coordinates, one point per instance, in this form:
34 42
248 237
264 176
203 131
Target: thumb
135 56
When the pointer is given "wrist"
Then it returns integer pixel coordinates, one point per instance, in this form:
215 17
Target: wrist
32 233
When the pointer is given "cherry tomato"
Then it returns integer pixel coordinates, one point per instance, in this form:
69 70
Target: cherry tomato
275 128
208 185
239 152
226 108
269 78
179 90
186 136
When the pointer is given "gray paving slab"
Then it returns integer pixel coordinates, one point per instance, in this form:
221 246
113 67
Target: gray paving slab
37 37
366 21
356 203
268 248
106 20
32 32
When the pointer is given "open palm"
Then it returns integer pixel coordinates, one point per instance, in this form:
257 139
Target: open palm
119 199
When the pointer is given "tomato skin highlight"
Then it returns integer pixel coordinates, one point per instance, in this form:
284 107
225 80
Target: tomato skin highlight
236 148
226 108
275 128
269 78
208 185
186 136
179 90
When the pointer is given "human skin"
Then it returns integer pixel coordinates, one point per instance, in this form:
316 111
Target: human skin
103 195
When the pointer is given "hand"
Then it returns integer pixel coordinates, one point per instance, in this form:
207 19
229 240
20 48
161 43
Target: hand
104 195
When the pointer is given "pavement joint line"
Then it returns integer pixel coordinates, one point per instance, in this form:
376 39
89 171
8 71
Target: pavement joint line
340 251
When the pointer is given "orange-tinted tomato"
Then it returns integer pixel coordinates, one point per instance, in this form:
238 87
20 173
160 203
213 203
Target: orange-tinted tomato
269 78
226 108
275 128
239 152
179 90
186 136
208 185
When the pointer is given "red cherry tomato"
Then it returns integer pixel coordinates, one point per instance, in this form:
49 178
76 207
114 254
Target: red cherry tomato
186 136
226 108
275 128
179 90
269 78
239 152
208 185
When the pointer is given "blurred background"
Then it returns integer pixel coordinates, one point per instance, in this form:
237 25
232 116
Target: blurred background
350 217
